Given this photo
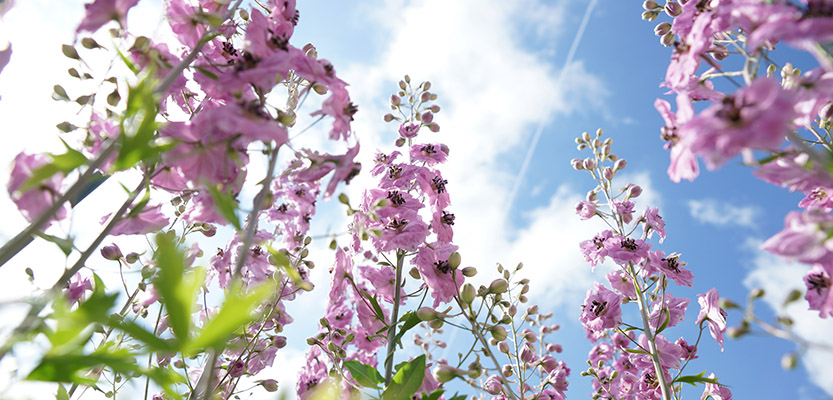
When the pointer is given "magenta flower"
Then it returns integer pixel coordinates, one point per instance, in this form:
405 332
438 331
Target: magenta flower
624 250
689 351
557 379
100 12
585 210
669 354
76 287
594 250
796 172
819 295
430 154
408 131
35 200
804 237
150 219
602 351
624 208
715 391
621 282
683 162
601 311
441 224
436 272
756 117
673 310
711 312
653 223
671 266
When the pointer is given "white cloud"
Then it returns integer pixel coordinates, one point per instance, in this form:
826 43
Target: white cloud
778 277
714 212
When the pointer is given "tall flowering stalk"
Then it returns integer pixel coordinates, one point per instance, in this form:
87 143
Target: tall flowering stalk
403 230
782 127
187 121
624 365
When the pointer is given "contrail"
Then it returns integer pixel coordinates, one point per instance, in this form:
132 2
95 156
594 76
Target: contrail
531 150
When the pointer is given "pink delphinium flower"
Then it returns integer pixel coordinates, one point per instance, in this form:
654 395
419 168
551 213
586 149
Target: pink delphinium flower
653 223
594 250
35 200
673 310
624 250
715 391
150 219
819 294
669 354
804 237
435 270
755 117
557 378
100 12
683 164
585 210
77 287
441 225
408 131
383 280
493 385
624 208
430 154
671 266
602 351
711 312
621 282
601 310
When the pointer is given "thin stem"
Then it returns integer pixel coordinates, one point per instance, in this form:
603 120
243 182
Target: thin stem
643 311
400 260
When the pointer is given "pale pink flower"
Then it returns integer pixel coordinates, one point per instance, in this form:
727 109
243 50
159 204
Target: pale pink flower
671 309
35 200
715 391
585 210
653 223
436 272
601 311
150 219
100 12
819 294
711 312
430 154
804 237
77 287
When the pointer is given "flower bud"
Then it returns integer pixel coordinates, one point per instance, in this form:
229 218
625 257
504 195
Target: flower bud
789 361
620 164
673 9
209 230
433 127
757 293
244 14
498 286
279 341
388 117
131 257
608 173
469 272
111 252
436 324
506 370
498 332
589 164
454 260
395 100
414 273
503 347
634 191
662 28
667 39
468 293
649 5
426 314
427 117
270 385
577 164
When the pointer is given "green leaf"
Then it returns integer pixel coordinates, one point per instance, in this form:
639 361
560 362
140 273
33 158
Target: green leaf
62 393
694 379
280 260
235 313
225 204
73 367
74 327
64 163
435 395
137 209
207 73
406 381
138 126
411 320
65 244
364 374
458 397
667 313
178 289
126 60
153 342
636 351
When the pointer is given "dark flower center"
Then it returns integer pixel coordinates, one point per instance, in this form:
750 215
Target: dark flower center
396 198
394 172
598 308
672 264
818 282
350 110
599 242
438 184
283 208
443 266
428 149
397 224
629 244
448 218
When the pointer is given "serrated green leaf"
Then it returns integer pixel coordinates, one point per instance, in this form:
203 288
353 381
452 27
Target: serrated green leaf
226 205
695 379
73 368
177 289
406 381
235 313
364 374
65 244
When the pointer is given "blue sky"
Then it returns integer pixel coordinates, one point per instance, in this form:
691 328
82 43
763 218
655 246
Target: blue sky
496 67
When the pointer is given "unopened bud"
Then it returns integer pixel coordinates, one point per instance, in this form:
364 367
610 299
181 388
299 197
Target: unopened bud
634 191
667 39
577 164
414 273
111 252
498 332
426 314
444 373
395 100
620 164
503 347
270 385
649 5
589 164
662 28
469 272
468 293
608 173
673 9
498 286
388 117
454 260
757 293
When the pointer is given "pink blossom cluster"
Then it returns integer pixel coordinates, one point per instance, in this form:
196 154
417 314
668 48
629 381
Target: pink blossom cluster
635 360
761 114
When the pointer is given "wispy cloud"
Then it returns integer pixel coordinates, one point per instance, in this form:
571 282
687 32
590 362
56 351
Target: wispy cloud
714 212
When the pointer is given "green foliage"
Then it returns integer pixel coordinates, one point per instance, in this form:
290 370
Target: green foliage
364 374
63 163
695 379
178 289
235 313
225 204
406 381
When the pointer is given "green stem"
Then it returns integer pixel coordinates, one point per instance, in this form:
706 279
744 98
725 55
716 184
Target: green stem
400 259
